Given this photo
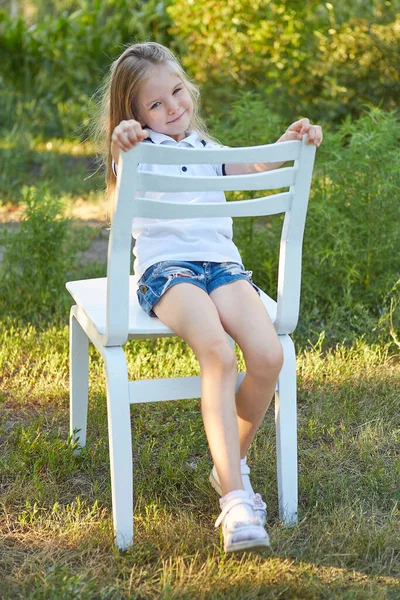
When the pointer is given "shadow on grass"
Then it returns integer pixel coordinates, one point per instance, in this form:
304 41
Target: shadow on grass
167 561
346 543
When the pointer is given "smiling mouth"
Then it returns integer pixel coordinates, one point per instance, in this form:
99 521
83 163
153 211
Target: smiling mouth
177 118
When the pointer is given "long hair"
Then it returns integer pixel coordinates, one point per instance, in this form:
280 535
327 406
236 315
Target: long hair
119 94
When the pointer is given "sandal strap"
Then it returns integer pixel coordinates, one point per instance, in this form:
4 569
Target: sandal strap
250 522
258 502
245 469
230 505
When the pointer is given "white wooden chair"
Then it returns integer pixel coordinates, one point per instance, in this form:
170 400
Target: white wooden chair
107 312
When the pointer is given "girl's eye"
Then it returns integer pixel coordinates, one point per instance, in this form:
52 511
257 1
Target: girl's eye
156 104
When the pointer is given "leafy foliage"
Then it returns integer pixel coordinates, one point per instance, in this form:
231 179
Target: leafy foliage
55 65
306 58
321 60
355 200
37 259
351 248
260 64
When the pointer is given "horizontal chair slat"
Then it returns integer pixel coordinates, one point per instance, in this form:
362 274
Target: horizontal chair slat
165 155
156 390
268 180
157 209
174 388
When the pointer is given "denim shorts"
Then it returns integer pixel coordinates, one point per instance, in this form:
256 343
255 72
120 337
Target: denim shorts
158 278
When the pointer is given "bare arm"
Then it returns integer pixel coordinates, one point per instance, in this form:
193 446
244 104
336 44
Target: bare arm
295 132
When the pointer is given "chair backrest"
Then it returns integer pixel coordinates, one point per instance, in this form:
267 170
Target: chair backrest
292 202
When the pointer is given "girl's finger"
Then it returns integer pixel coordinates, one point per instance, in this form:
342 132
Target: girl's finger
138 129
137 133
300 124
117 140
293 135
124 142
127 139
318 135
130 134
306 127
315 135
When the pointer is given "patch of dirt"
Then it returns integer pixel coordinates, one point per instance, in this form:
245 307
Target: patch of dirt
98 247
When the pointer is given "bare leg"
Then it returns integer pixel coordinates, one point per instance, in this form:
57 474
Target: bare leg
191 314
244 317
252 402
219 417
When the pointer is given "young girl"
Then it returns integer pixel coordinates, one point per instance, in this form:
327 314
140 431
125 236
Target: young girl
190 275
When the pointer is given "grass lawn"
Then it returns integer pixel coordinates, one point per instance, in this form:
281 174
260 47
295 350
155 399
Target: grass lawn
56 524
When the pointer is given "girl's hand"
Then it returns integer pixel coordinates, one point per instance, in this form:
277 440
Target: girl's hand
128 134
297 129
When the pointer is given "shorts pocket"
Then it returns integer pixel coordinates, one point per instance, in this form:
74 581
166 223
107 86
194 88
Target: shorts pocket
147 296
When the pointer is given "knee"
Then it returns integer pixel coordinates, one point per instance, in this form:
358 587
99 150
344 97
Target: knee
266 362
219 354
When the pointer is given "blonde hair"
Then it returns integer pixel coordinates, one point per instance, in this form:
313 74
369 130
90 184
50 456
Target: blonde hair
119 93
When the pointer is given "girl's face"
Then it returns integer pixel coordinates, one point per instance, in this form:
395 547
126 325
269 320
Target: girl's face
164 104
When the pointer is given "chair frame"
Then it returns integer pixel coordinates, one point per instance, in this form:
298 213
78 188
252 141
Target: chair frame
117 293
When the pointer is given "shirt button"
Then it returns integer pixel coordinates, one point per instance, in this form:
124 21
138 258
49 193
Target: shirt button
184 169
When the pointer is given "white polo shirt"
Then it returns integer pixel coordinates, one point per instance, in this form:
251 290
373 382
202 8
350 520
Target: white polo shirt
208 239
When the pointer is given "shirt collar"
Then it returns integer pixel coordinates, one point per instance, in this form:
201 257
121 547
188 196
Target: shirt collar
192 139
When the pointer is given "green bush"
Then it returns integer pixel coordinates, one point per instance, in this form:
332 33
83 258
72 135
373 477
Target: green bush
325 59
17 158
53 67
37 259
351 249
320 59
249 120
353 228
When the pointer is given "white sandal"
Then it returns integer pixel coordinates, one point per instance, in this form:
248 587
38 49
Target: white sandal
249 533
260 508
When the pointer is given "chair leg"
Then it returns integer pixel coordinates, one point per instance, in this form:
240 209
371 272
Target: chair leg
79 382
120 443
286 434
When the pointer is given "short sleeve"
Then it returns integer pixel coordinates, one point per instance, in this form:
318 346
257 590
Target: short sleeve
218 168
114 167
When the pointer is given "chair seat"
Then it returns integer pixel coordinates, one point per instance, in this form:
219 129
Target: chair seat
91 295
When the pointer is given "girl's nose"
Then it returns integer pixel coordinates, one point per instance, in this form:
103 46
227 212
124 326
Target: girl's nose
172 107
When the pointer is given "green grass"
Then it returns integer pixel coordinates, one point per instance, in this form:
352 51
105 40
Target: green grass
56 523
68 168
56 534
